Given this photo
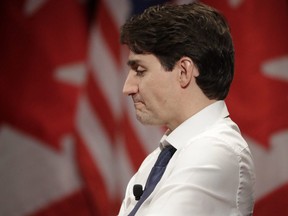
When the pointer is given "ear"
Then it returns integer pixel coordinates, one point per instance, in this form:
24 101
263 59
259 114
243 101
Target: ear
188 71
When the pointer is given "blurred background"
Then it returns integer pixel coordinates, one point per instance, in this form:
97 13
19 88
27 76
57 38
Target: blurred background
69 141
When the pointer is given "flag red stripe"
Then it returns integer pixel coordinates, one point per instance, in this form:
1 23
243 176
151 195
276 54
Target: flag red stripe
93 178
110 32
101 107
132 143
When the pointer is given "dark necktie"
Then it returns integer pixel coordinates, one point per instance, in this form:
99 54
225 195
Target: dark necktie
155 175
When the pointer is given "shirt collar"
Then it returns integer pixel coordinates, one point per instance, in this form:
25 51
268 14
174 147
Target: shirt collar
163 141
195 125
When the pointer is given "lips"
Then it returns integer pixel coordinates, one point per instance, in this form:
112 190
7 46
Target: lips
137 100
138 103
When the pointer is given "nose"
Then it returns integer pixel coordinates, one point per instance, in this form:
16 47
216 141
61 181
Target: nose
131 84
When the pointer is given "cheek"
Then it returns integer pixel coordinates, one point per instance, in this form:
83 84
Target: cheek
158 94
158 87
151 92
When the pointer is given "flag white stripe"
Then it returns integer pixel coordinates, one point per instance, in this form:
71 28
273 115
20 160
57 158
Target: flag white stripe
97 142
120 11
105 71
125 169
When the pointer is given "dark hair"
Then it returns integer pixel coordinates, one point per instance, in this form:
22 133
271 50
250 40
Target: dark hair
193 30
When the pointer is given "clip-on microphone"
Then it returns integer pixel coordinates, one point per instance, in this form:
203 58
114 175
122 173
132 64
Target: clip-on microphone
137 191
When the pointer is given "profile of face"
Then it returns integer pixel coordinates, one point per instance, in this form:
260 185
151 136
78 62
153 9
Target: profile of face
152 88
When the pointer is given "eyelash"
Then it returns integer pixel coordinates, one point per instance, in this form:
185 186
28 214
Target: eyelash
139 72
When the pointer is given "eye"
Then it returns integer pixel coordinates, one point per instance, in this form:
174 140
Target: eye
139 71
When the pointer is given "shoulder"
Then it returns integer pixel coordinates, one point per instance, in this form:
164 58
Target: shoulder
222 145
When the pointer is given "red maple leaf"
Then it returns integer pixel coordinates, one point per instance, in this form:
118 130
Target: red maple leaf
33 45
257 102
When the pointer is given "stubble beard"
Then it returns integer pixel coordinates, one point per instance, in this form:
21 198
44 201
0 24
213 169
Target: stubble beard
147 118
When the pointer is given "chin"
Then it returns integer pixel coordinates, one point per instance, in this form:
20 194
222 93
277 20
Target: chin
145 120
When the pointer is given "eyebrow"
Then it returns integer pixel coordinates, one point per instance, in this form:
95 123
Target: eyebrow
132 63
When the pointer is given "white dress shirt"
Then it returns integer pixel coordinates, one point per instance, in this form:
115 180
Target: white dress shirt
210 174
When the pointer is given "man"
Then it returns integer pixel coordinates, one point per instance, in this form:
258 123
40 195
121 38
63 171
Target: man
181 67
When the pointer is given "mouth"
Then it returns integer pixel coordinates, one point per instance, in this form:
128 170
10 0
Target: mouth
138 103
137 100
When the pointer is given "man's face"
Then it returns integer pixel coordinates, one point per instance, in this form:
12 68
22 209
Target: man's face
152 89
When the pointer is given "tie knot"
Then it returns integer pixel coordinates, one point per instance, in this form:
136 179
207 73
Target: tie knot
165 155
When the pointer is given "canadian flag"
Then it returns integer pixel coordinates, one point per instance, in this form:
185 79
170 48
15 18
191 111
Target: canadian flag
258 99
42 64
69 141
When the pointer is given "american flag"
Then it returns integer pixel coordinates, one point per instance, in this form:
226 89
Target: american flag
69 140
